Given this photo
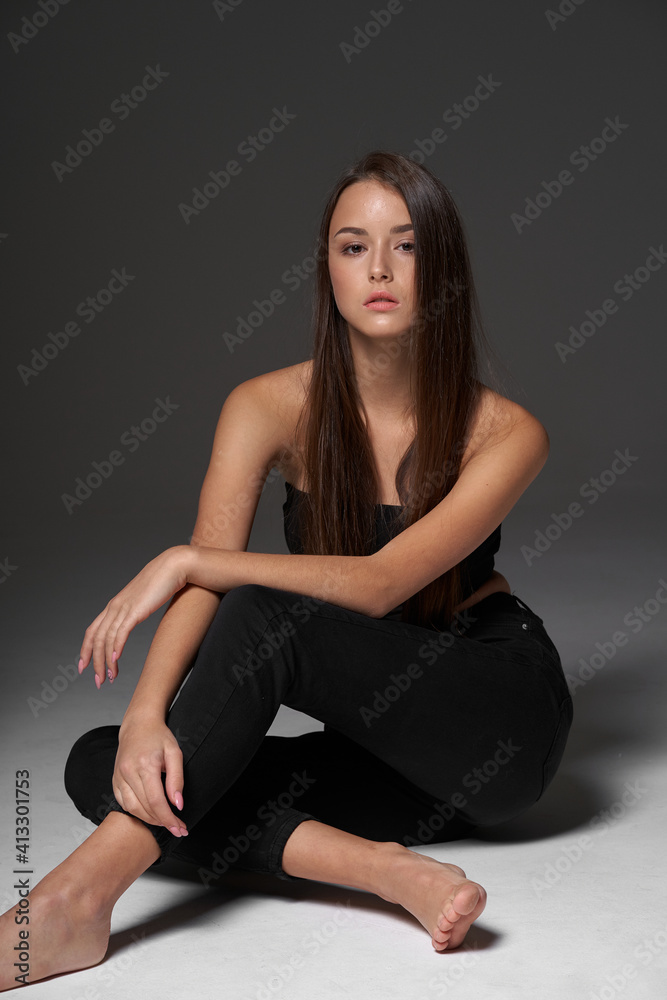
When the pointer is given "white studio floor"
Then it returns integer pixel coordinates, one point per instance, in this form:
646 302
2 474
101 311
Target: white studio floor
576 907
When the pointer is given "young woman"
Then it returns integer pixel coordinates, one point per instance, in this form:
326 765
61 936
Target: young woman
443 698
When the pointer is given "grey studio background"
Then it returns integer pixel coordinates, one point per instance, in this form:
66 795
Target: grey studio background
124 292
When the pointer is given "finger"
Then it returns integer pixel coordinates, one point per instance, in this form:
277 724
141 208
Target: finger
155 803
116 639
128 801
173 757
123 630
99 667
118 794
87 645
111 653
103 642
99 642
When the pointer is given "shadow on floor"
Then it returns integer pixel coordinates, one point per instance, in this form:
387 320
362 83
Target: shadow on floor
618 713
240 889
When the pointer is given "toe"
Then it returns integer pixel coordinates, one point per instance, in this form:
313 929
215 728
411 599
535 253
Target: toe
466 899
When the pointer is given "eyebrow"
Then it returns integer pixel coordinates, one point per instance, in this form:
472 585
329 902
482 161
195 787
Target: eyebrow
406 228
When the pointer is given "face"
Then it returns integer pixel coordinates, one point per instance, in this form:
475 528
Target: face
371 251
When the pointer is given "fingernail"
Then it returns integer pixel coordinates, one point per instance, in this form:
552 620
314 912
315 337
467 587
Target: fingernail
81 665
114 656
174 829
110 676
178 799
98 682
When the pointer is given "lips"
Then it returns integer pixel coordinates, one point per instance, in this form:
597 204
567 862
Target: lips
381 297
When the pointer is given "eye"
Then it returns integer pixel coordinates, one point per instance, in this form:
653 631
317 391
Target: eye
351 246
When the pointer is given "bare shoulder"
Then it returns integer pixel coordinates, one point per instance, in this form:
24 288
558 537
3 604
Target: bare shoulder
276 399
280 393
500 422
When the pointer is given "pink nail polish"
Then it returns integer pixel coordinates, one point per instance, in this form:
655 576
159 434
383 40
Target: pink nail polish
110 676
81 665
114 656
98 682
174 829
178 800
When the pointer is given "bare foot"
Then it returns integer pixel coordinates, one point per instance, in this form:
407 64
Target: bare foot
438 894
67 931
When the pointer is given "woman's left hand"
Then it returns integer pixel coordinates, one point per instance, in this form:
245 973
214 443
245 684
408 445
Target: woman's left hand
106 636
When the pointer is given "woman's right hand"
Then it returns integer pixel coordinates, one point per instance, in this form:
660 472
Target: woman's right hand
146 749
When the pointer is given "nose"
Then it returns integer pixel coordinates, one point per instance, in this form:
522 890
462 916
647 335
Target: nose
378 268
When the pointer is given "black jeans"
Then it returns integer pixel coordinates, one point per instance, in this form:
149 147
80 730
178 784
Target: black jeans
427 734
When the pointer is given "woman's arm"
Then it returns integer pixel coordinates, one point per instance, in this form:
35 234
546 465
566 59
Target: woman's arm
146 746
343 580
248 437
172 652
509 448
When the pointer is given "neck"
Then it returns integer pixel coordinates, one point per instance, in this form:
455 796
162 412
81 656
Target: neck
383 377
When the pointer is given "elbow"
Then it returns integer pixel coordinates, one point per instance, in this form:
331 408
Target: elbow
374 598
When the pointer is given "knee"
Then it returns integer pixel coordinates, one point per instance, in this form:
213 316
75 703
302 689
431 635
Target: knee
255 600
89 769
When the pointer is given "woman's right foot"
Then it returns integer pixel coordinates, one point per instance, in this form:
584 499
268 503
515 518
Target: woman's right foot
67 932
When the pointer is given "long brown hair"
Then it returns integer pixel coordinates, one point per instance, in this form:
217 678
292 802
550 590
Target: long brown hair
337 515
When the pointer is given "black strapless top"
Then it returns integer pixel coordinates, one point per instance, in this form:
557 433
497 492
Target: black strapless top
476 568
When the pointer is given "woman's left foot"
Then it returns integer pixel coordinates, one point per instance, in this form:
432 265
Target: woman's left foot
438 894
